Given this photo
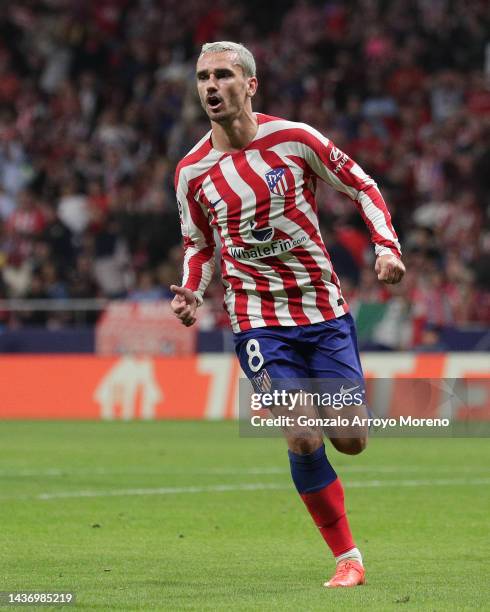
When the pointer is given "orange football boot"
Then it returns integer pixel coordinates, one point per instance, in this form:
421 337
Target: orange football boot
348 573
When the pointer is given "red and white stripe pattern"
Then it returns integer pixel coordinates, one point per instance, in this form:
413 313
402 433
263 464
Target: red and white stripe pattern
261 201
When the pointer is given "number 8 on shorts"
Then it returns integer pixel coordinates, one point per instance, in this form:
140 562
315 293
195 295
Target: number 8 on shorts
255 357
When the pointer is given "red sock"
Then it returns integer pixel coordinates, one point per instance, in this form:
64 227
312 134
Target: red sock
327 509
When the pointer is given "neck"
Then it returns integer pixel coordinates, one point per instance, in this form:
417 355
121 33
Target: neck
236 134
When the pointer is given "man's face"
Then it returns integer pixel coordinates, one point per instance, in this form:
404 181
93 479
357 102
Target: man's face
223 88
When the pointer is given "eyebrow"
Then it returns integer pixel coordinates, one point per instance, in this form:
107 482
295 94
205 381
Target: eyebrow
217 71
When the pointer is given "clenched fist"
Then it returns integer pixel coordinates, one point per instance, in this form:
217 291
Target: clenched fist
390 269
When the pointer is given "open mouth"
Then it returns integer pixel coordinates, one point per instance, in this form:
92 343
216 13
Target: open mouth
214 102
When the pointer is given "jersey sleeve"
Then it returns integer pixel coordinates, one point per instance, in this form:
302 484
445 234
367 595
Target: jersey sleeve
199 244
339 171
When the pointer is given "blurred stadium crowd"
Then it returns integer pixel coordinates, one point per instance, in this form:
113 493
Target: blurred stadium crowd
97 105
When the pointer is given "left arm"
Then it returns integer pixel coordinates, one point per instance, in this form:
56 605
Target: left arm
337 169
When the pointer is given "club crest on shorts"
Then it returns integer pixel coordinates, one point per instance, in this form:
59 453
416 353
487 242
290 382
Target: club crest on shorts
276 180
262 381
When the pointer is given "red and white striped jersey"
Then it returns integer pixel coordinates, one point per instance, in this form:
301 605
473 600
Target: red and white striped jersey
261 200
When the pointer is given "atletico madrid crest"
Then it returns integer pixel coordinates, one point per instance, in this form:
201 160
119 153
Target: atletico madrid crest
276 180
262 381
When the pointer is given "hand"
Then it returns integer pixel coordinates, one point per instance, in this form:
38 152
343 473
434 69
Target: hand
389 269
184 305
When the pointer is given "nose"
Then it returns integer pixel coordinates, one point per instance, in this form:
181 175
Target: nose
212 84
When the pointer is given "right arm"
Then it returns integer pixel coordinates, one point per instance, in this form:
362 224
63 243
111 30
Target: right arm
199 248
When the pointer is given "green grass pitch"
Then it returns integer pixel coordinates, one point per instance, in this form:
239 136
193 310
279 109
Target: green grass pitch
189 516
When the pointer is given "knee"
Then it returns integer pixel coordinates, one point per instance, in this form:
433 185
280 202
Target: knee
357 445
304 445
350 446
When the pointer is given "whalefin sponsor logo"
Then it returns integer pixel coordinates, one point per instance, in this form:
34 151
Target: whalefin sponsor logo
274 248
263 234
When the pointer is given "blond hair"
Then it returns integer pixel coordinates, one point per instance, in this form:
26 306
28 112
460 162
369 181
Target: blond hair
245 58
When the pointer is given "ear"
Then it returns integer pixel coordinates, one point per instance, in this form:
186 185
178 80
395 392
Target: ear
252 85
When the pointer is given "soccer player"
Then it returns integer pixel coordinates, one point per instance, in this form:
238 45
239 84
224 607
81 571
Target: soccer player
252 178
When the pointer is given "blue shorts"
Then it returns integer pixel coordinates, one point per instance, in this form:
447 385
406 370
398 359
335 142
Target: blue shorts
326 350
